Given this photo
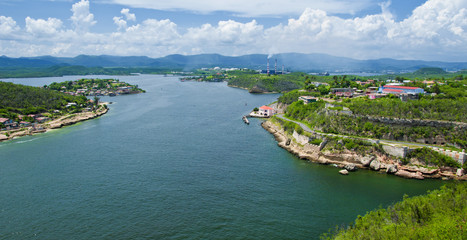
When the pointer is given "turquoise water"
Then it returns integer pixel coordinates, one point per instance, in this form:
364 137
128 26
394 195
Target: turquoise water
177 163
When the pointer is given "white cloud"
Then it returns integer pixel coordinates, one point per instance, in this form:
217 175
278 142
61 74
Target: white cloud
7 26
227 33
82 18
436 30
120 23
41 27
253 8
129 16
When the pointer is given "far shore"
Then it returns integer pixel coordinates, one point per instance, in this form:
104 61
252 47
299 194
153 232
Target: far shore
60 122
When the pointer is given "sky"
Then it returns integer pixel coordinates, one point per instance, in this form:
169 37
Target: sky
434 30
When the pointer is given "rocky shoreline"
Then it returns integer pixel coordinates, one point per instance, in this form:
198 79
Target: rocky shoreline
351 161
56 123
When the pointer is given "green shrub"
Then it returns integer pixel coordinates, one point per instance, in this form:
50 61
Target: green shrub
440 214
432 157
316 141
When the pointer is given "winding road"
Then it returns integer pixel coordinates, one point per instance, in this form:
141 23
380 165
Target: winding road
307 129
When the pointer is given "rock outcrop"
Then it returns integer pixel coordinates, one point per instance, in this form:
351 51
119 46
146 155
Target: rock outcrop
375 165
406 174
366 160
351 167
351 161
391 168
344 172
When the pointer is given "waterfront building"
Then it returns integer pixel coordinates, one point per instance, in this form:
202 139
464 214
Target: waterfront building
266 111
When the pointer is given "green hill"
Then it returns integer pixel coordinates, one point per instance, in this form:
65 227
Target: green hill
430 70
20 99
441 214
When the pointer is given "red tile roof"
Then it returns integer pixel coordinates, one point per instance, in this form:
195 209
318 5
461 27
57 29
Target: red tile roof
266 108
392 90
400 87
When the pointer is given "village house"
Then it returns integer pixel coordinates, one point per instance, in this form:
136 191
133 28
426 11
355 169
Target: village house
25 124
42 119
429 83
70 104
307 99
266 111
7 123
343 92
369 81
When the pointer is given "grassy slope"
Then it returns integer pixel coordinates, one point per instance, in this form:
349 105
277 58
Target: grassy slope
440 214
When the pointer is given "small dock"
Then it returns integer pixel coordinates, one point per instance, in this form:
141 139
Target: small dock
245 119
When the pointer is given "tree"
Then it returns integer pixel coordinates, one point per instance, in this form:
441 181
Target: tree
310 87
96 100
436 89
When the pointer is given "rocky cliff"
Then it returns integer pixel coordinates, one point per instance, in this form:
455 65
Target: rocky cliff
352 161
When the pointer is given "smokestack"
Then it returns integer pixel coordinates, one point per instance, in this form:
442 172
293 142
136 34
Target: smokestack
268 67
275 67
282 68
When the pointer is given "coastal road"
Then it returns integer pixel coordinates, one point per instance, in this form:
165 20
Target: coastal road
307 129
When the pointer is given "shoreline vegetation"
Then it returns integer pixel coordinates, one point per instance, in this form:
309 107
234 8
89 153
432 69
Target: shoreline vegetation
439 214
66 120
26 110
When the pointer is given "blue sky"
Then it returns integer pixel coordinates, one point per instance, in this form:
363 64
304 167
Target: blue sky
362 29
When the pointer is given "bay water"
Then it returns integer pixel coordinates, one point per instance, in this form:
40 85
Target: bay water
177 162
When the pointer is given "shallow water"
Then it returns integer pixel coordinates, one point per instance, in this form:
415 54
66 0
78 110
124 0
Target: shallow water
177 163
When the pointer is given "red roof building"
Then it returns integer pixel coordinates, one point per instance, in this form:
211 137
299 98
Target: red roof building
266 111
402 89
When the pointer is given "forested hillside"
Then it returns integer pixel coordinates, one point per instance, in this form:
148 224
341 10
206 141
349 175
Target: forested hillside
268 83
441 214
425 108
28 100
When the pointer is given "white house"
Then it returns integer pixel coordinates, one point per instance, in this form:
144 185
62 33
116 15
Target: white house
266 111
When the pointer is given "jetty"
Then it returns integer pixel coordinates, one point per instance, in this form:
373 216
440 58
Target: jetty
245 119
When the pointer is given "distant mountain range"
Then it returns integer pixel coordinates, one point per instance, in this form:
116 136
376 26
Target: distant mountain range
291 61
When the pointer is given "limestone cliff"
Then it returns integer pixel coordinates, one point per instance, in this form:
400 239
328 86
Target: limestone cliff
349 160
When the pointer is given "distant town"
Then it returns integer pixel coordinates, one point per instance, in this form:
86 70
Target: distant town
95 87
55 105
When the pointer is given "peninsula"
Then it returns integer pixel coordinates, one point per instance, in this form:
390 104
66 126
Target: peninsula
26 110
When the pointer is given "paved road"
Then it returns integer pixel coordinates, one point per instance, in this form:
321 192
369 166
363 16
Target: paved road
307 129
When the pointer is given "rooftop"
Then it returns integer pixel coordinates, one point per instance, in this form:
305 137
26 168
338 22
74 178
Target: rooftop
266 108
400 87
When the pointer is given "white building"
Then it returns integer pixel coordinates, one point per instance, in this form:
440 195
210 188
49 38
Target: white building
266 111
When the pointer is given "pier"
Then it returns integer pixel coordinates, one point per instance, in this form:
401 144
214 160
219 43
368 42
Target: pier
245 119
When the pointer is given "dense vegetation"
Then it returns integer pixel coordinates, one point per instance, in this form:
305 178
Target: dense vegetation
429 70
430 157
425 108
58 71
268 83
332 121
441 214
19 99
